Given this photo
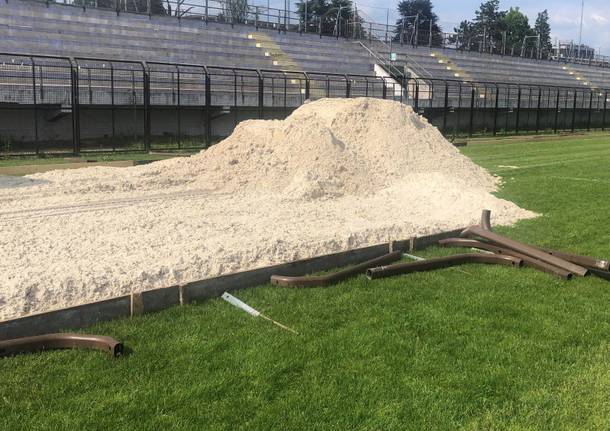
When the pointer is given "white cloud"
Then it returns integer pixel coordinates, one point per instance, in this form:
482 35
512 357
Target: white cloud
598 19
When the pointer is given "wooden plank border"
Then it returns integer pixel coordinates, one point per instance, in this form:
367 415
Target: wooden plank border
150 301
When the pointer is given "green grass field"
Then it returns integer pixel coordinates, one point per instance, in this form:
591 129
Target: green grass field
493 348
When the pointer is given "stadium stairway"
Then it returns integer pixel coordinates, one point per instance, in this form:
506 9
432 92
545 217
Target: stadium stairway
270 48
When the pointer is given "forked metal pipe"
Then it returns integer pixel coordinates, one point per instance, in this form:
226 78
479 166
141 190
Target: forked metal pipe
326 280
60 341
528 250
586 261
486 219
527 260
441 262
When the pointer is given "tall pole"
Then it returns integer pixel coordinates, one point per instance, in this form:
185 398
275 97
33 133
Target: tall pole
582 15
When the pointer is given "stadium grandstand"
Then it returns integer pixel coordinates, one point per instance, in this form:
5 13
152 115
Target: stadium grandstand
188 74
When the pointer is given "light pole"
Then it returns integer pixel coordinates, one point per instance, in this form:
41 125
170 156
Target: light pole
582 15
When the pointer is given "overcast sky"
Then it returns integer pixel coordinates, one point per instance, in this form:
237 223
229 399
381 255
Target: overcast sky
565 16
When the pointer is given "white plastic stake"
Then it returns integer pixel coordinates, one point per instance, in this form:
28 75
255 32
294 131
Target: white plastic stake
239 304
242 305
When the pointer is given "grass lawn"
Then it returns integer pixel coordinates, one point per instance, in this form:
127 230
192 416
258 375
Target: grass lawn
493 348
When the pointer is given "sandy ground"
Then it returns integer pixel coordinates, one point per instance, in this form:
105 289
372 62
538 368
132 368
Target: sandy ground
337 174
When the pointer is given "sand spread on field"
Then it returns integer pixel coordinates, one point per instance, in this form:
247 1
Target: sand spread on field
337 174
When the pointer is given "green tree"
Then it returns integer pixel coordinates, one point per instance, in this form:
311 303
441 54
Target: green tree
416 16
543 28
517 27
464 35
236 10
314 9
489 23
335 15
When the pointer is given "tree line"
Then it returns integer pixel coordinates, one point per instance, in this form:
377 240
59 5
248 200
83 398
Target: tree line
490 29
508 30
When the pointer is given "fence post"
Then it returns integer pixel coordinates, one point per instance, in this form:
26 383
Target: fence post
35 100
261 94
605 108
590 110
146 96
446 107
518 114
574 110
75 107
416 96
471 125
307 86
208 107
348 87
112 102
538 109
385 89
556 126
496 108
178 107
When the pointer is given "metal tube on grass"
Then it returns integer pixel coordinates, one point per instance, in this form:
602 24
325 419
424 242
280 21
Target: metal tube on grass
417 258
253 312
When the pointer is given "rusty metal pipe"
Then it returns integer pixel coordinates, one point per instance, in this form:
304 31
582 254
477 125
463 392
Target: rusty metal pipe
326 280
527 260
60 341
441 262
586 261
528 250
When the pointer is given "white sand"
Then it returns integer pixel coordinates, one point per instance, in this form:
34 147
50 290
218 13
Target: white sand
337 174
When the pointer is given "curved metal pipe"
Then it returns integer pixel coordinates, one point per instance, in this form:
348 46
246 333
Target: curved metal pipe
325 280
441 262
586 261
528 250
486 219
528 261
60 341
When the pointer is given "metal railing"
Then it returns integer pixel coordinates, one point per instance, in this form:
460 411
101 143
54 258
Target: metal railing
351 24
73 105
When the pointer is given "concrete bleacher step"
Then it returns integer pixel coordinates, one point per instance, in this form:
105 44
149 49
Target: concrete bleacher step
32 27
69 31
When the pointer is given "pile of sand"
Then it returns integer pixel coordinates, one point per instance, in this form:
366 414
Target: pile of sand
336 174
